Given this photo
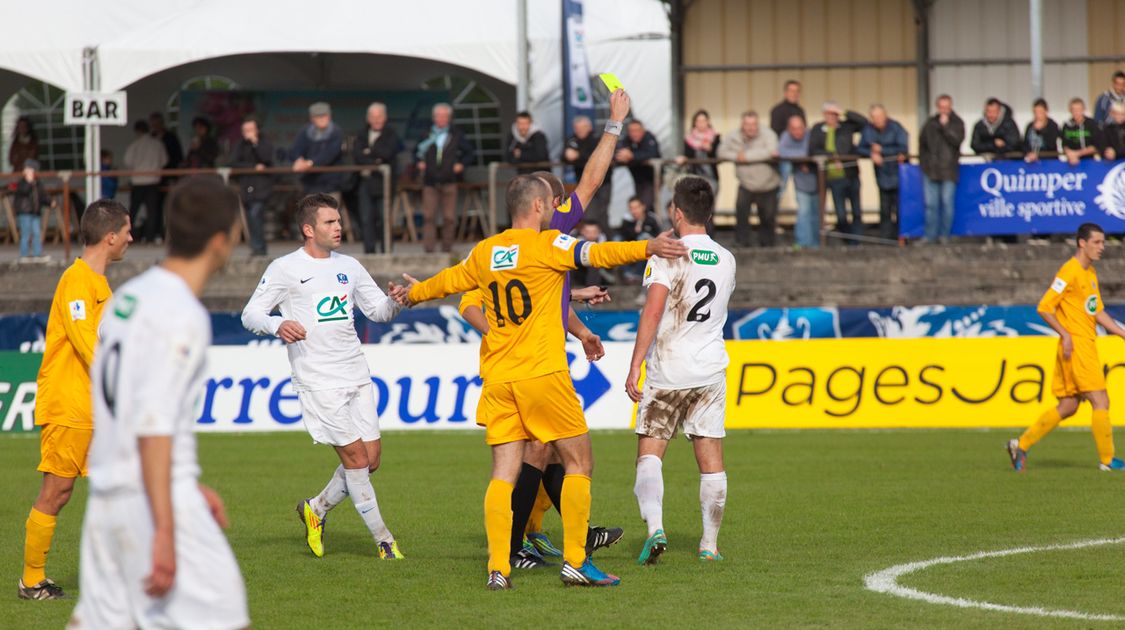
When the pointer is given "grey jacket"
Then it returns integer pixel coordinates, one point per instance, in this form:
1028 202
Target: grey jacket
752 177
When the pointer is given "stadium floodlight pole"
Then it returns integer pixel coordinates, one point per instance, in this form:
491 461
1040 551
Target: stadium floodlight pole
523 76
1035 9
91 82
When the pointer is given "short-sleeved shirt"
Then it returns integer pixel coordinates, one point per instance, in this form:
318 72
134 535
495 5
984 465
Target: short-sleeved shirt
689 350
1074 298
63 396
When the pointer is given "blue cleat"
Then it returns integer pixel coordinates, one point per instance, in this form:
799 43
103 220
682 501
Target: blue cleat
587 575
1114 464
543 546
1019 456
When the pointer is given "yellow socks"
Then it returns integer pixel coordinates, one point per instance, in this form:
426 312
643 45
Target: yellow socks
575 518
1103 434
542 504
40 531
1044 425
498 525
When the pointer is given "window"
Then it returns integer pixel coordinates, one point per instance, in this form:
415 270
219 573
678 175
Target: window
476 111
197 84
60 146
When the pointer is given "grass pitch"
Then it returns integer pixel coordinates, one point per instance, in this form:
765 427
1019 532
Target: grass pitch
808 515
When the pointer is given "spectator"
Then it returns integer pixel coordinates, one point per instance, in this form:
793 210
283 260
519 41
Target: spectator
634 151
204 150
996 134
1042 133
25 144
835 138
29 200
1081 136
590 276
779 121
641 224
146 153
109 183
1113 133
376 144
442 158
886 142
256 152
757 182
794 144
579 148
939 152
175 153
1106 99
527 145
700 143
320 143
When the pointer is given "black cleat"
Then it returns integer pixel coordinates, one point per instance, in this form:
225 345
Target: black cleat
602 537
525 559
497 582
43 590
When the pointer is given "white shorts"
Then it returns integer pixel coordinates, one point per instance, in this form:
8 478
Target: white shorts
699 411
341 416
116 557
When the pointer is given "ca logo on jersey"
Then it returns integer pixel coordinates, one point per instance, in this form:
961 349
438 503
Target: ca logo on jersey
704 257
504 258
331 308
1092 305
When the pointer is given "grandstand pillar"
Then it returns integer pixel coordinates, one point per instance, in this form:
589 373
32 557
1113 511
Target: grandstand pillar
922 58
91 82
1035 9
523 76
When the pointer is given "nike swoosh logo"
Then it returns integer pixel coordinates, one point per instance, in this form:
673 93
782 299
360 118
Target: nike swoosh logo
306 280
101 301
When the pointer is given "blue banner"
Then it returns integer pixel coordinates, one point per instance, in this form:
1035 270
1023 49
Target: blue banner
578 98
1014 197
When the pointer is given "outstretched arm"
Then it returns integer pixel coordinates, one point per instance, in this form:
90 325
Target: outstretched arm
602 157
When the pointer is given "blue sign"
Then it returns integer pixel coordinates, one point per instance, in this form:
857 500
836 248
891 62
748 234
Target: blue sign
1014 197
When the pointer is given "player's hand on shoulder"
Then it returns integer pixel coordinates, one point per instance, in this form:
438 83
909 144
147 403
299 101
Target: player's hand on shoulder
666 246
291 332
163 574
215 505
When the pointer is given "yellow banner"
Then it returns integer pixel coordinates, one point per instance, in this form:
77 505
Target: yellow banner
885 383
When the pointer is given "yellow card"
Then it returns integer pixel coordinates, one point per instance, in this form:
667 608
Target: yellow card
611 82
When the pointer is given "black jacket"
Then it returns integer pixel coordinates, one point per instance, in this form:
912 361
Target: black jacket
985 136
1045 140
1079 136
851 124
256 187
585 147
1113 137
647 149
939 148
386 148
30 197
780 115
457 150
650 228
531 150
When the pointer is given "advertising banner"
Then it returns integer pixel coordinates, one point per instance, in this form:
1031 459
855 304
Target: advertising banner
17 391
1014 197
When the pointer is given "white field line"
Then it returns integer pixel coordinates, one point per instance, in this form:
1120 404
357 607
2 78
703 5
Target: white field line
886 581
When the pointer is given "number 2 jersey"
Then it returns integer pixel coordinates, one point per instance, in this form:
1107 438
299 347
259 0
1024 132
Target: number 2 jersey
319 294
689 350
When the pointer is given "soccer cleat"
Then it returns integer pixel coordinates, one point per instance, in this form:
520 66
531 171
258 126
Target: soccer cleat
1114 464
389 551
43 590
654 546
709 556
314 527
587 575
602 537
525 559
1017 455
543 545
499 582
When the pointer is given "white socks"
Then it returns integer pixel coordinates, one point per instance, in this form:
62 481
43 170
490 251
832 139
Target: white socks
358 482
712 500
331 495
650 491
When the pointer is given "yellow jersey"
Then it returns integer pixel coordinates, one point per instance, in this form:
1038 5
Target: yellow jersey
63 395
1075 299
521 273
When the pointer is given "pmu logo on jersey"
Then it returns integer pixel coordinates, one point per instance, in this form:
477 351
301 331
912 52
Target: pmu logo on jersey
342 278
331 307
704 257
504 257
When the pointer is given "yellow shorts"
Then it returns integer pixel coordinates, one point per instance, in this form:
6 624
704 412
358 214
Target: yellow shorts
63 450
1081 373
544 408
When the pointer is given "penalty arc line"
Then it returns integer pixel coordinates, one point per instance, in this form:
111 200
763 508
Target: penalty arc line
886 581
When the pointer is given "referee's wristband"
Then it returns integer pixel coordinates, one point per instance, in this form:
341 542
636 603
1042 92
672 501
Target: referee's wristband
614 127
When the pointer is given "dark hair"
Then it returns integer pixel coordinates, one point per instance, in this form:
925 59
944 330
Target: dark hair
199 207
587 222
635 198
791 82
943 97
698 113
522 191
254 119
1118 75
694 197
100 218
200 120
553 181
1086 230
308 206
141 126
105 153
992 101
156 116
30 128
524 114
1040 102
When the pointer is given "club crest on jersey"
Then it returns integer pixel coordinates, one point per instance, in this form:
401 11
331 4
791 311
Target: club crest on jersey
564 241
342 278
1092 305
331 307
504 257
704 257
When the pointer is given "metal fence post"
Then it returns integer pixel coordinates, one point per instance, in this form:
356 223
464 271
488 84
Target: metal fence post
822 194
493 171
65 176
388 203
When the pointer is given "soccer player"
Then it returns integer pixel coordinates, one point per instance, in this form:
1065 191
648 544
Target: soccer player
527 392
315 289
153 551
1073 308
685 376
62 406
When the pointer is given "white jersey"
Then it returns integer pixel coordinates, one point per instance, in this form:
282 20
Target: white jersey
689 350
149 370
319 294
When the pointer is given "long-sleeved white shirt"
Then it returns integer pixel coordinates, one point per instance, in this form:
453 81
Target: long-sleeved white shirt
319 294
